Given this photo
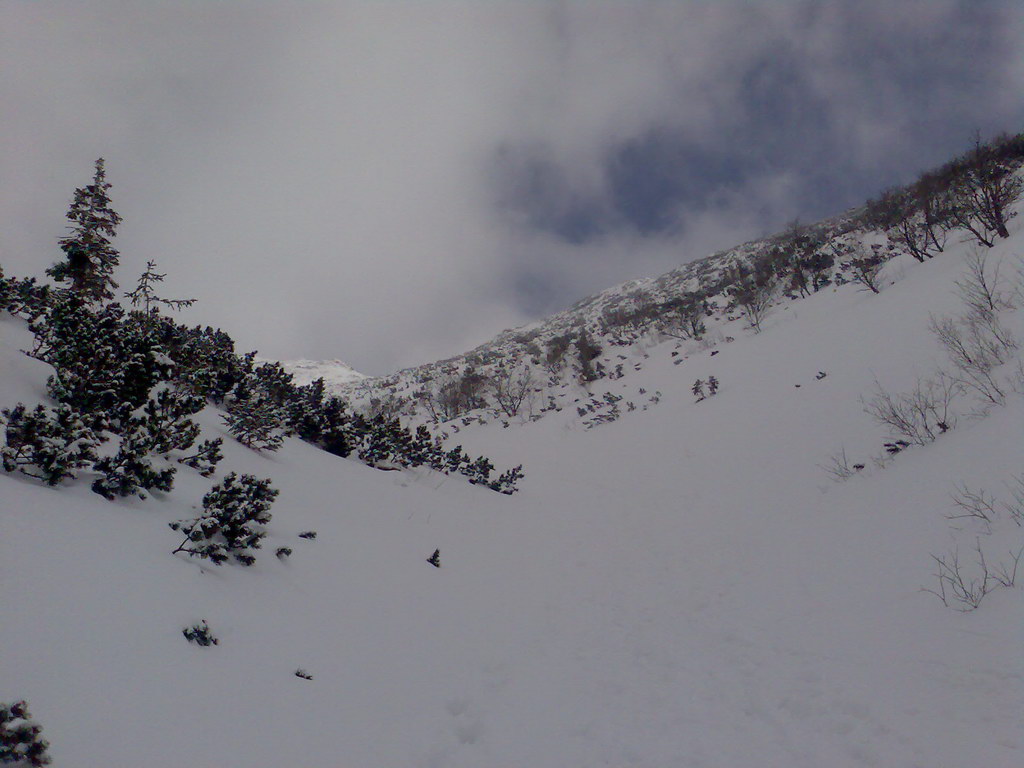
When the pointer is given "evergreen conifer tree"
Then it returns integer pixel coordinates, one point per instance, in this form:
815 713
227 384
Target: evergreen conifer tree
144 297
234 515
91 258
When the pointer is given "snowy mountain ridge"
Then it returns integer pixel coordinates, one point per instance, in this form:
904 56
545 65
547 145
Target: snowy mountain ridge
337 375
623 322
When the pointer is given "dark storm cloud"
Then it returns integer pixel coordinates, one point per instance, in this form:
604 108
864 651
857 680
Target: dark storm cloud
394 182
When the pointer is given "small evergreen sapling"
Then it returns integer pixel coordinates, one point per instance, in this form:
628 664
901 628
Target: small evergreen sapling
235 513
698 390
435 559
712 386
144 296
20 740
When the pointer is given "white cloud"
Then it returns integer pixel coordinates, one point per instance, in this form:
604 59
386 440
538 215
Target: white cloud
322 177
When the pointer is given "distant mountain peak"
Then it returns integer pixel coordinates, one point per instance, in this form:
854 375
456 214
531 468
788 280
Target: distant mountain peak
335 373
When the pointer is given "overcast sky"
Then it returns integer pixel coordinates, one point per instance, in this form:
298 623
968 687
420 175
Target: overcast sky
393 182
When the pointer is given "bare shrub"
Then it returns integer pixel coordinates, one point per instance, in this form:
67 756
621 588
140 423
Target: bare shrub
865 266
683 318
982 287
984 188
450 396
753 293
975 346
554 356
921 414
512 387
839 468
974 505
963 586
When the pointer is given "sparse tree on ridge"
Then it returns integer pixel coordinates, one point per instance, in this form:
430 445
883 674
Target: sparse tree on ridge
984 188
753 291
91 258
144 296
512 387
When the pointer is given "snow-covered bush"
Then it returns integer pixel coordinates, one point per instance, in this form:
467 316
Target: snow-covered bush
47 443
101 359
204 460
255 424
200 634
130 471
232 524
20 742
165 419
506 482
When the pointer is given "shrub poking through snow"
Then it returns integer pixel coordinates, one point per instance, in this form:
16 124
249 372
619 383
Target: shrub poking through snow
235 513
200 634
307 535
300 672
46 443
20 742
435 559
283 553
506 482
205 458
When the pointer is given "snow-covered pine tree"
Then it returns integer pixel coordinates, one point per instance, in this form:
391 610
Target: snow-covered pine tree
90 258
256 424
234 515
479 472
131 471
20 739
165 418
101 360
506 482
46 443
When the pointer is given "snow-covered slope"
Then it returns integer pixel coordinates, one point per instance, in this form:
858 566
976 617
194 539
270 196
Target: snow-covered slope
615 319
685 587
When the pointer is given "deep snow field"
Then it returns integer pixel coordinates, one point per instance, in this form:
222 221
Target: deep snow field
683 587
